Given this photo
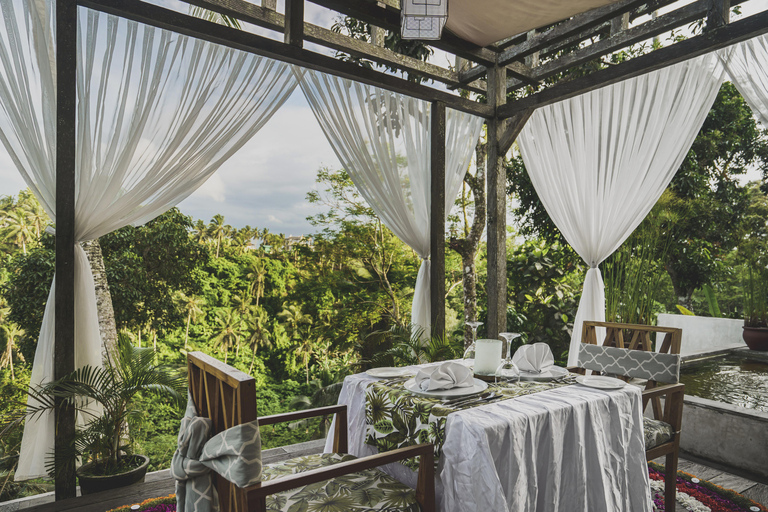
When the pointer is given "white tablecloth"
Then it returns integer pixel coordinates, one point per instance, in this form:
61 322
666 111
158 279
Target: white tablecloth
571 449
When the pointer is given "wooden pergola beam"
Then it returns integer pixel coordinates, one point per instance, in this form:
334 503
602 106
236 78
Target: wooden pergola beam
269 19
64 311
160 17
566 29
617 41
437 219
568 33
388 17
709 41
294 25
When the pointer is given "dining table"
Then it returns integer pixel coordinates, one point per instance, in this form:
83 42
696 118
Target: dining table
532 446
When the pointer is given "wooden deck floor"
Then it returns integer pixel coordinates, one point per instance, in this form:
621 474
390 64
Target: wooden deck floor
161 484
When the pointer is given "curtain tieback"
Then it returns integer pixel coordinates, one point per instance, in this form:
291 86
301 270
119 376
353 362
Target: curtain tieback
235 454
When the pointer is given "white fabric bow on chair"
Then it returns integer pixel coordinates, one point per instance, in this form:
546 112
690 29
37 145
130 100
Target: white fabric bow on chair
235 454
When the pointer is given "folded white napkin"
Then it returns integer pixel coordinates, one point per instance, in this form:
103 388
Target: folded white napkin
534 358
446 376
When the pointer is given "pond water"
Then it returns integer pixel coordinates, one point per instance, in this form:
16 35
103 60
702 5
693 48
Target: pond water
733 380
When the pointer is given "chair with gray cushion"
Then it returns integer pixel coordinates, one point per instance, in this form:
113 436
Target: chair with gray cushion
332 481
627 353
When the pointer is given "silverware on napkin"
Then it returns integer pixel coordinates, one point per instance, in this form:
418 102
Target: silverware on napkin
485 398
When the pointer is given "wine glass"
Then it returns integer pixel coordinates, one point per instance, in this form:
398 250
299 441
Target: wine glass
469 353
508 370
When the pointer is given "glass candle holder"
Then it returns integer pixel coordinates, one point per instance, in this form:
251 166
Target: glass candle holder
487 356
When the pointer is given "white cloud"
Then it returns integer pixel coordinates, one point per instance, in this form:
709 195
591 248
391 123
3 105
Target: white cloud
214 189
266 182
10 179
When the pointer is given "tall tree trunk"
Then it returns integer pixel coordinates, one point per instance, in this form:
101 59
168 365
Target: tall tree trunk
467 247
683 294
186 333
107 326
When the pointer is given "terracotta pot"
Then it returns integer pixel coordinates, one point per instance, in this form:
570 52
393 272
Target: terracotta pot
756 338
90 484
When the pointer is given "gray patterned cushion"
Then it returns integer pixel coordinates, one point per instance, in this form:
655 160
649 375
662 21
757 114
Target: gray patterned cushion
656 432
630 363
367 491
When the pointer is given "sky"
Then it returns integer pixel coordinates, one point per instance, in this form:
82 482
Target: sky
265 184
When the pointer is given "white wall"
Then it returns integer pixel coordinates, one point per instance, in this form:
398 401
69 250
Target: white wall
703 334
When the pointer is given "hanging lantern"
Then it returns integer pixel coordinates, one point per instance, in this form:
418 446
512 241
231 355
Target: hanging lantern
423 19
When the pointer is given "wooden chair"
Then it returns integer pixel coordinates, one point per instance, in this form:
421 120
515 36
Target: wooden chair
228 397
630 343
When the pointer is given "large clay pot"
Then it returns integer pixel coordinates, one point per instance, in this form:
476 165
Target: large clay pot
90 484
756 338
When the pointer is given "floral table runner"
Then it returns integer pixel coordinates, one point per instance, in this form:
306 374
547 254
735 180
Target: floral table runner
395 417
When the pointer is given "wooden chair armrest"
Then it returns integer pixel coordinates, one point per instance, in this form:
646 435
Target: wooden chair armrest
673 403
424 491
664 390
301 415
576 369
339 433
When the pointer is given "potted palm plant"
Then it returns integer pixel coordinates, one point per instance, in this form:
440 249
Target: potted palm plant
104 443
756 309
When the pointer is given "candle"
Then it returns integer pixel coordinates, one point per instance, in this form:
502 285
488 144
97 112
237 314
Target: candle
487 356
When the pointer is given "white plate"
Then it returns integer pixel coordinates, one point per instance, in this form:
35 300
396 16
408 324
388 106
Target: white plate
479 387
388 372
551 373
600 382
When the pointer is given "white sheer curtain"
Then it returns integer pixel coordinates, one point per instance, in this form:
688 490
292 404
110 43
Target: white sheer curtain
600 161
747 67
157 114
383 141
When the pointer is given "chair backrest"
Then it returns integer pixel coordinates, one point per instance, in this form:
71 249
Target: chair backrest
627 351
639 364
633 336
228 397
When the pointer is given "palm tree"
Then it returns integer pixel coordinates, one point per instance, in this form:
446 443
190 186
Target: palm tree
12 333
256 273
130 371
36 215
200 232
191 306
229 324
19 228
293 316
259 334
304 351
218 230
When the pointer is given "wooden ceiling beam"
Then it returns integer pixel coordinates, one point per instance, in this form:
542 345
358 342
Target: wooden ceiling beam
548 46
619 40
269 19
566 29
161 17
709 41
388 17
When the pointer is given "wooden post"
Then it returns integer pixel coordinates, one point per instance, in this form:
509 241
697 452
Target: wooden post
64 314
719 14
437 223
294 23
497 209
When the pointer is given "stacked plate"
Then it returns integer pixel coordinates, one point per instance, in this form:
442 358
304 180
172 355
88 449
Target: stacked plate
389 372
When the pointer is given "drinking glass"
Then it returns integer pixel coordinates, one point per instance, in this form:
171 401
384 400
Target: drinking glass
469 353
508 370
